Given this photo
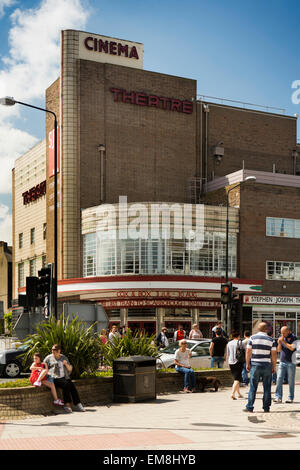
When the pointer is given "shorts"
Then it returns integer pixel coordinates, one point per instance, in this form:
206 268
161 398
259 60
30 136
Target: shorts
49 378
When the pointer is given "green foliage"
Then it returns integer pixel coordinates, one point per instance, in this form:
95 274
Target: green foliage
78 343
131 344
16 383
8 321
98 373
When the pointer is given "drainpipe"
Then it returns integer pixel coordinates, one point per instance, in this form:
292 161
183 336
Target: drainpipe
101 150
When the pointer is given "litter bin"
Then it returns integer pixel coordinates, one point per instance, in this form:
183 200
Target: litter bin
134 379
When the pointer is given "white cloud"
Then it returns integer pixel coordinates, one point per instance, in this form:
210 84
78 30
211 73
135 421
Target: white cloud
4 4
5 224
34 40
31 65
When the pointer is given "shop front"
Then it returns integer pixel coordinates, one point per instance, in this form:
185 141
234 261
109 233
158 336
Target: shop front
276 311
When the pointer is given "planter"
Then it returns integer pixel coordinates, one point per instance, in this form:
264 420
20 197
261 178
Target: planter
20 403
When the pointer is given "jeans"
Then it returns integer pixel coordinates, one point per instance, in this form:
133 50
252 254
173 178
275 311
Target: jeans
69 390
290 368
263 371
218 360
245 375
189 376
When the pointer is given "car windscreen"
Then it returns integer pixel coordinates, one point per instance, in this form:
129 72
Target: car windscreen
174 346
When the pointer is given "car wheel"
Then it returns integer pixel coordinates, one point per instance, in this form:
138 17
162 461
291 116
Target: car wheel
12 370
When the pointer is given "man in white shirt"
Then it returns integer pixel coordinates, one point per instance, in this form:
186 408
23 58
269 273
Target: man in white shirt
183 366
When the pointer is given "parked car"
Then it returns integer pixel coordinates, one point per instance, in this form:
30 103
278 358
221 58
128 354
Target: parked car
11 361
200 354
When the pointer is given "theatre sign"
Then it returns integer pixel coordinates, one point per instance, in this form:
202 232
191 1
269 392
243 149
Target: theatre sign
110 50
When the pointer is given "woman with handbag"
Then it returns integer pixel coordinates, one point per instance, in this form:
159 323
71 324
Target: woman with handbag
236 359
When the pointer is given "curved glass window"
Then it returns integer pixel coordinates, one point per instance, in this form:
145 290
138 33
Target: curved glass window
104 257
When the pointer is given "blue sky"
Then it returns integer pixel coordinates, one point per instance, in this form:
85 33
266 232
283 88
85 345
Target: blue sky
240 50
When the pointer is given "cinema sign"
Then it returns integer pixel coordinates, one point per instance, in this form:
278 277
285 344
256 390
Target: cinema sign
110 50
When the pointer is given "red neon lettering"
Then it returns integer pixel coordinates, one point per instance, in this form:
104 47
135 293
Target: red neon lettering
175 104
187 107
128 97
164 101
103 46
86 43
153 101
122 49
141 99
113 48
133 53
116 92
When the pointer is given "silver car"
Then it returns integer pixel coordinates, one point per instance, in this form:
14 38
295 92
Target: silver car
199 349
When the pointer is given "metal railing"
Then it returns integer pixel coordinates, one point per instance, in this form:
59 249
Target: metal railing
243 103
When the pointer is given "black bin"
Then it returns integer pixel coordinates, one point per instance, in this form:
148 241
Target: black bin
134 379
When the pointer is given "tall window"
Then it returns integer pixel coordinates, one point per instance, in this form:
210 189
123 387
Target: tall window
281 227
44 261
44 231
32 236
21 274
20 240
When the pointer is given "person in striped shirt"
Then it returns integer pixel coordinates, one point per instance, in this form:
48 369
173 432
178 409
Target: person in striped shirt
261 359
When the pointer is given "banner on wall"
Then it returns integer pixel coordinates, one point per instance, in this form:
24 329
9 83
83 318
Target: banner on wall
51 153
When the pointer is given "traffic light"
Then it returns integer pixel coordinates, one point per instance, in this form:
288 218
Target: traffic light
44 281
32 292
226 293
233 295
45 288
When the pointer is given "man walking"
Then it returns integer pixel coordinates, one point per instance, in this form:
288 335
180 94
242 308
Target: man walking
261 351
287 345
217 350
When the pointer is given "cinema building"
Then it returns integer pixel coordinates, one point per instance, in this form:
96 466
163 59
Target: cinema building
132 141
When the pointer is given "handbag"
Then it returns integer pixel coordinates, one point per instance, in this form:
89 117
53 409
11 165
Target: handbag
240 352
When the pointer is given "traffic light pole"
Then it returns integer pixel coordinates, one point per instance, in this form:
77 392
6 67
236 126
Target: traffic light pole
54 283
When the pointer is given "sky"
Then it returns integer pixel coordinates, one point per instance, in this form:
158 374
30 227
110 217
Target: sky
239 50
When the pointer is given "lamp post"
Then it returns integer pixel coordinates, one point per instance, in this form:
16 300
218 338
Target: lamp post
9 101
247 179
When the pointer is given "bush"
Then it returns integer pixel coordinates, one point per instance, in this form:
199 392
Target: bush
79 343
131 344
8 322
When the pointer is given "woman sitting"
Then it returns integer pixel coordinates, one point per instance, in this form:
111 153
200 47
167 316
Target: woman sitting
183 366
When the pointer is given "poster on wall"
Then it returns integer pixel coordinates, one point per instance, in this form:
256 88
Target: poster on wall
51 153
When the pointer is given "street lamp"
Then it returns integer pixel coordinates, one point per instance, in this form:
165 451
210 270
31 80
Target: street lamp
247 179
9 101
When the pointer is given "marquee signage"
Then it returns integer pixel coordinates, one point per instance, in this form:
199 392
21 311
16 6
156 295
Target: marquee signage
34 193
161 102
111 47
158 303
271 300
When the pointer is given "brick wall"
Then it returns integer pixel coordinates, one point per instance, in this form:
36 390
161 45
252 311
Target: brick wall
259 139
20 403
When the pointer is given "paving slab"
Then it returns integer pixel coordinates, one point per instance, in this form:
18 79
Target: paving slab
198 421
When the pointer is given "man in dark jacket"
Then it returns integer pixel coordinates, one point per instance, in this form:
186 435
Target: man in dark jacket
287 345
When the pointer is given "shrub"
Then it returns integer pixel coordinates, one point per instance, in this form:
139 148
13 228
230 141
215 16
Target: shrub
79 343
131 344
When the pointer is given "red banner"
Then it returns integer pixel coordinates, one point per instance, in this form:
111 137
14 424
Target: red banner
51 152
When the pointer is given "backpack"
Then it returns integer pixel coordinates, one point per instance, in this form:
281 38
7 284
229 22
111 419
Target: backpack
240 352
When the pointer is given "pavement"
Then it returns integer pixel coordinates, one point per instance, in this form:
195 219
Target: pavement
194 421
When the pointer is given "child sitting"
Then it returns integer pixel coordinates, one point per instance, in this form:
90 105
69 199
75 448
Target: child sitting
39 375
